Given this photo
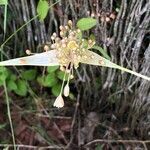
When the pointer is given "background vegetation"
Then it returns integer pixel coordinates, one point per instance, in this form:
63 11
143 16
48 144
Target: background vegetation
110 105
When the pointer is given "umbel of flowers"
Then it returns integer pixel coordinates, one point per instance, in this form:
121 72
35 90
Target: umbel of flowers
68 50
71 50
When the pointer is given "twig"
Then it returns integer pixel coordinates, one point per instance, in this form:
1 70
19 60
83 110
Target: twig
118 141
73 122
33 147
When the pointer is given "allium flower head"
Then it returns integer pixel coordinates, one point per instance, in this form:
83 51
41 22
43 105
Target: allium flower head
69 49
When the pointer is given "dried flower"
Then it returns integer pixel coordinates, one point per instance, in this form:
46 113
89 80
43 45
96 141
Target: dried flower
59 102
66 90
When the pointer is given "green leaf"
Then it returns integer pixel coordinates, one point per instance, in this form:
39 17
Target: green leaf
12 77
41 80
47 81
52 69
21 88
56 89
99 147
29 74
3 73
11 85
102 51
60 75
92 37
79 36
3 2
50 80
85 44
71 96
42 9
86 23
2 126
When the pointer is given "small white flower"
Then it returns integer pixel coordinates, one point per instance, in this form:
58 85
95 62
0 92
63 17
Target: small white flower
59 102
66 90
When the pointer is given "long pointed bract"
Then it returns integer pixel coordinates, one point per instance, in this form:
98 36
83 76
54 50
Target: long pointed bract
41 59
95 59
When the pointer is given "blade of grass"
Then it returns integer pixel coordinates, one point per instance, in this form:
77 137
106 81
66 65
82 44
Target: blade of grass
5 19
9 115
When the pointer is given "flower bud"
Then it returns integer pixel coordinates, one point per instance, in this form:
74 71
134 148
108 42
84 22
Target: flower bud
71 76
112 16
59 102
66 27
28 52
66 90
54 35
46 48
61 33
70 23
61 28
92 15
107 19
53 46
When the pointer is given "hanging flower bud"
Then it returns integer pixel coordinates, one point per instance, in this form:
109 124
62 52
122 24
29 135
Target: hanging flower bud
59 102
66 90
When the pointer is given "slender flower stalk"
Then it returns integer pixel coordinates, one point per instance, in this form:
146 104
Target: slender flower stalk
59 102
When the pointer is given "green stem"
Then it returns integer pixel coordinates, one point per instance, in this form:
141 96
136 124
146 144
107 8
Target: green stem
9 115
63 83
